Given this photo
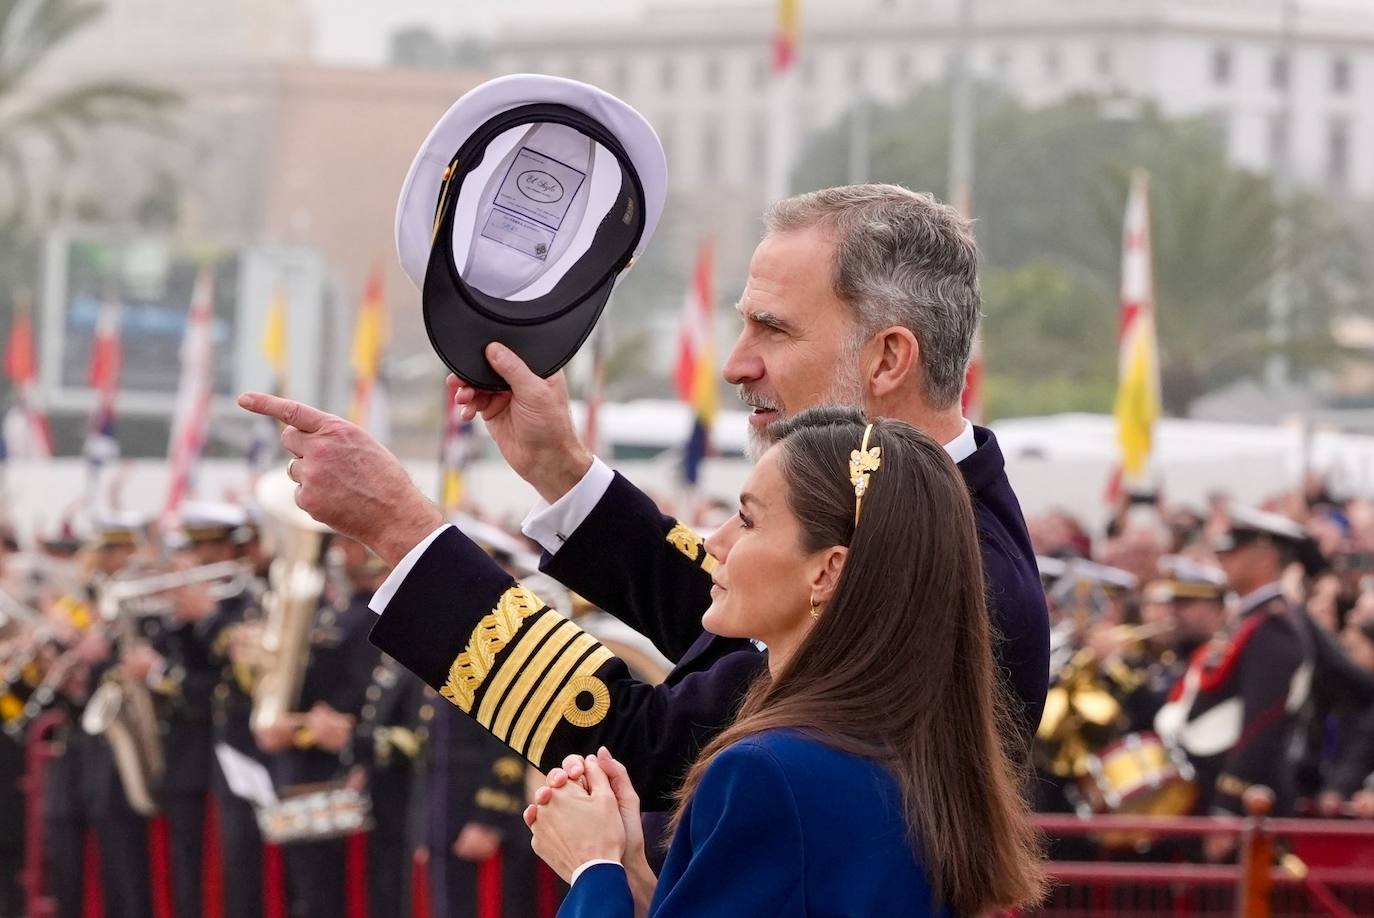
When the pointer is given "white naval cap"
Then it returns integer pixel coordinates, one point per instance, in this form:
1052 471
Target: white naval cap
522 207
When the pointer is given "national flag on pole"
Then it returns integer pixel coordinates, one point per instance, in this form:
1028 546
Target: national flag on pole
107 360
26 432
369 344
696 364
1138 394
274 350
191 417
787 36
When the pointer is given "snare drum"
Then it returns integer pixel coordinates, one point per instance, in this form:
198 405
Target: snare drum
1139 775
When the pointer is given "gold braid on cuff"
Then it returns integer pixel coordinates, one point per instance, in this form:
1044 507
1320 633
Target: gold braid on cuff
863 462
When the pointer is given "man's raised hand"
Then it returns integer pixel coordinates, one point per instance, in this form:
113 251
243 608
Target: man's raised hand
347 480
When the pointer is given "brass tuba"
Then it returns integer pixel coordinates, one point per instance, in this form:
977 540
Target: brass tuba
295 582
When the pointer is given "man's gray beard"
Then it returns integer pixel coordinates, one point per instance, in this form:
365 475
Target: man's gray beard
845 391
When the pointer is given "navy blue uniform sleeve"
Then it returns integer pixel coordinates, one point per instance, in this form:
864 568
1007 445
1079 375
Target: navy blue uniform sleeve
1271 658
646 569
542 685
747 857
602 891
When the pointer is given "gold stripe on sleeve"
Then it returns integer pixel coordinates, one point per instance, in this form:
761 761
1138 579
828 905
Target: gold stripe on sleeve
565 706
528 675
546 687
515 662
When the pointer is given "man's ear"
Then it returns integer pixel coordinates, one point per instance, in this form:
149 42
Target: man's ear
896 358
825 574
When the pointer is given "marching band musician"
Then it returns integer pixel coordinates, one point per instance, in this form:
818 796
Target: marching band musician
1235 709
178 665
1183 609
318 747
82 788
216 533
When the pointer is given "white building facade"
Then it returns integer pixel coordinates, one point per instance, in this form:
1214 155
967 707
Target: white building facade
701 74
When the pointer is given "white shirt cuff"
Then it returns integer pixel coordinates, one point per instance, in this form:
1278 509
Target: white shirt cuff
578 872
400 572
551 524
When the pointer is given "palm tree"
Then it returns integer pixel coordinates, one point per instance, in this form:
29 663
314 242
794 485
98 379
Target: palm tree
34 122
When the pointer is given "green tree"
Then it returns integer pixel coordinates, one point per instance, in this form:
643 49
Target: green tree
54 121
1051 191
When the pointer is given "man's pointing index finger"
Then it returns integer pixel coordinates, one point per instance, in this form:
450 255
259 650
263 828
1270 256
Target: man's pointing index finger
294 414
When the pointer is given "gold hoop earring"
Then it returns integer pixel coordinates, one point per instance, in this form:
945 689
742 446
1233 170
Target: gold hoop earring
815 609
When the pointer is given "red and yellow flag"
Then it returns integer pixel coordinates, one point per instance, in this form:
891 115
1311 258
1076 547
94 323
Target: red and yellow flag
370 336
1138 402
788 35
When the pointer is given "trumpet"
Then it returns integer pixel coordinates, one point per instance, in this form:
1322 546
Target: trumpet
142 597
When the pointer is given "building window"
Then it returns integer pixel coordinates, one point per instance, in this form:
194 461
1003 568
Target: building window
710 74
1054 64
667 74
1278 72
1340 75
1338 152
1221 66
1103 62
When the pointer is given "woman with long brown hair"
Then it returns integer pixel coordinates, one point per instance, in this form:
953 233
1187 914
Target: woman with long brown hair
864 774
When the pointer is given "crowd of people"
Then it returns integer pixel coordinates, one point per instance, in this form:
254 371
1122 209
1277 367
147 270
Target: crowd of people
194 649
1165 589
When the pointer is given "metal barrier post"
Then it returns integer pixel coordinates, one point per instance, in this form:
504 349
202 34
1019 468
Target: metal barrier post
1255 883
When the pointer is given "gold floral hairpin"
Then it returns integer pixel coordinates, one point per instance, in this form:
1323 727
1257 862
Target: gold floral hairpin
862 462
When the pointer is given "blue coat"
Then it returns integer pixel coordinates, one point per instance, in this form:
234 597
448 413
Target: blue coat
781 825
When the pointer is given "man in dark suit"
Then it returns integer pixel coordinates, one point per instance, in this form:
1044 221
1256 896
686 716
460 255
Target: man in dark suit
865 295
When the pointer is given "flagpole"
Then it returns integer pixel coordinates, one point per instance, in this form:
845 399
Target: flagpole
782 106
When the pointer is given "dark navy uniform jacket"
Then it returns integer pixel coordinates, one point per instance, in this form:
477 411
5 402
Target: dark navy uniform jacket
1239 702
781 825
547 689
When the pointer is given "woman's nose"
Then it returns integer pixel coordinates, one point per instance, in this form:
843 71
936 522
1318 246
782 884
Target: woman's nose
718 543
